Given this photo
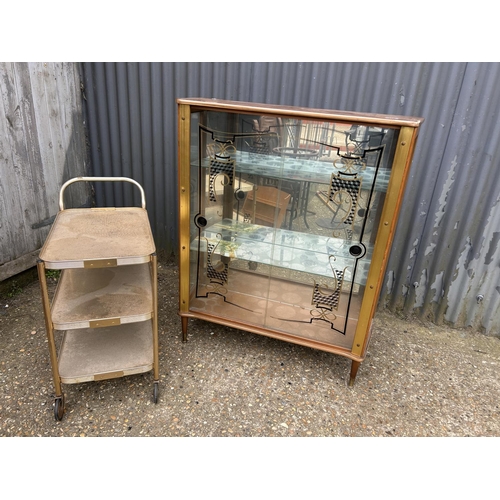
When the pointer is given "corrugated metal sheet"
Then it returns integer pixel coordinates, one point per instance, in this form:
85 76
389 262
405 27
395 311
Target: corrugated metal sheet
132 121
445 252
42 144
449 264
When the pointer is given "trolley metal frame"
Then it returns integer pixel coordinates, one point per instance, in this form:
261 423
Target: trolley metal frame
87 244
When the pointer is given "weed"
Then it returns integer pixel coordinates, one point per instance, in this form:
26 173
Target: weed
52 274
14 289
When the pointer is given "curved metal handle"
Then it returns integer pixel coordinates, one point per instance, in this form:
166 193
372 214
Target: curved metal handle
104 179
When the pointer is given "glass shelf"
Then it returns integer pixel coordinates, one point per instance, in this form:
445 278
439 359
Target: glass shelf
297 169
307 253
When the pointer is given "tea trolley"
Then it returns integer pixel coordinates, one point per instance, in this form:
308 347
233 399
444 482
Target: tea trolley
102 320
286 218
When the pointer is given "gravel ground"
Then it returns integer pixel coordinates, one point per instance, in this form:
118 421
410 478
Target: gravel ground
417 380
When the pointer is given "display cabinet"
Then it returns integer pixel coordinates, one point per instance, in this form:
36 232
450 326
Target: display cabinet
287 217
102 321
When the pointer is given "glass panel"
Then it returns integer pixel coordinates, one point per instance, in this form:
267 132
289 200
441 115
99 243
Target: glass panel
284 214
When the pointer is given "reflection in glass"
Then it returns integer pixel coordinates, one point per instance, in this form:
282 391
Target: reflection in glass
284 216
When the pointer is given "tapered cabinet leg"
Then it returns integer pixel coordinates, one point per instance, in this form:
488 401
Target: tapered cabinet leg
354 371
184 323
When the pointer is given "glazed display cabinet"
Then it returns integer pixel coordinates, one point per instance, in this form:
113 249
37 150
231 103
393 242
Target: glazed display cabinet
287 217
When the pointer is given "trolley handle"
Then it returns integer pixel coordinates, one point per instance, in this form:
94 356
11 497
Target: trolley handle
99 179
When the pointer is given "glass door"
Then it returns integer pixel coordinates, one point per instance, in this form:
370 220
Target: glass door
284 214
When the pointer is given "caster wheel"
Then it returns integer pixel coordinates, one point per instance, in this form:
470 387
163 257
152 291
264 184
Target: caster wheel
59 408
156 391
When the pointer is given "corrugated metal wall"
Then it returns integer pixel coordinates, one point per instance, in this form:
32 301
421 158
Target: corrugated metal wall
446 251
42 144
446 263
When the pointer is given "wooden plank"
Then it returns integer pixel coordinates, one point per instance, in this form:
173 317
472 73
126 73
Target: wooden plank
15 183
42 144
18 265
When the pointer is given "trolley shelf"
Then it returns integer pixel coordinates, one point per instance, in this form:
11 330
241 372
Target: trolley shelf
98 237
95 297
90 354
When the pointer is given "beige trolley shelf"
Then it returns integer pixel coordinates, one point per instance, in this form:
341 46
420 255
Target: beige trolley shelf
105 304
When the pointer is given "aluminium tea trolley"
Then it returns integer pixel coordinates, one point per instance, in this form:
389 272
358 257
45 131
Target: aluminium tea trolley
105 305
